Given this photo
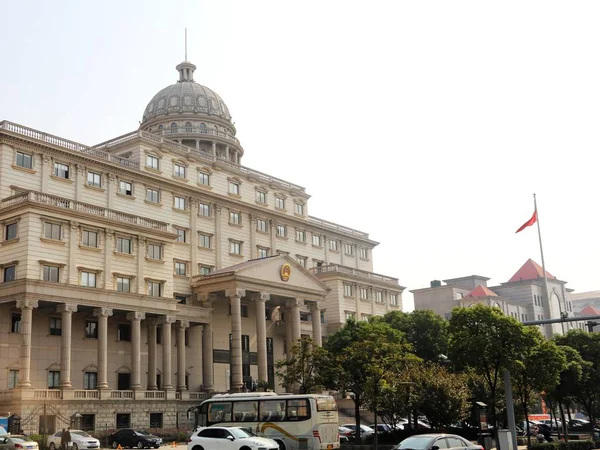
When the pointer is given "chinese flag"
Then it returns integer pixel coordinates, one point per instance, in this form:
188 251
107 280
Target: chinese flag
528 223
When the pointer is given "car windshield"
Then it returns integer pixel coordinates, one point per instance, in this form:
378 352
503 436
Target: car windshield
239 433
18 440
142 433
248 430
414 443
80 433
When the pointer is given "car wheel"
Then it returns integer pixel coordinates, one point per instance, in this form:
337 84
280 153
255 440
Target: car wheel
75 447
52 446
245 447
140 444
115 444
281 444
197 447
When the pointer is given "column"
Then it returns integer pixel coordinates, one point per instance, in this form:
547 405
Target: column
207 358
326 247
227 152
141 257
26 307
218 244
110 188
214 150
194 235
252 220
273 227
261 335
46 163
183 325
341 247
356 258
288 333
235 298
357 299
79 174
295 313
197 145
109 245
315 312
136 320
102 314
73 244
167 347
66 312
152 326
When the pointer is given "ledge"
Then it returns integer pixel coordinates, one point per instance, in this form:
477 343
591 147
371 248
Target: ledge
180 211
181 179
239 225
126 255
205 186
152 260
10 241
236 255
238 196
153 170
52 241
91 249
153 203
129 197
62 180
24 169
94 188
261 204
206 249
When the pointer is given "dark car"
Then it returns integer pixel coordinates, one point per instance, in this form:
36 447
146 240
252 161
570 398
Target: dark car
128 437
437 442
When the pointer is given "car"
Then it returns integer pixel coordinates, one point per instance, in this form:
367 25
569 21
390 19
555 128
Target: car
436 442
384 428
365 431
17 442
228 438
346 434
128 437
79 438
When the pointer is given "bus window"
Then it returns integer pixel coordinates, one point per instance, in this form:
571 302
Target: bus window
272 410
298 409
219 412
245 411
326 404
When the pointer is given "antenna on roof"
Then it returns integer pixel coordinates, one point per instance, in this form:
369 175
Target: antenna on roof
185 45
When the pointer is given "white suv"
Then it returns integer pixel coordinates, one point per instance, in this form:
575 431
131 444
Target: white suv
228 438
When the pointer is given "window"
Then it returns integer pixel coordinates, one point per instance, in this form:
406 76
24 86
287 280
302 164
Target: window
55 326
152 195
158 341
94 179
154 288
123 419
180 234
299 208
281 232
379 297
89 380
156 419
364 317
205 240
203 210
152 162
180 268
261 225
179 170
333 245
123 332
123 284
263 252
364 253
154 251
10 273
234 188
13 379
298 409
53 379
123 245
246 339
301 260
88 279
51 273
235 247
205 270
52 231
91 329
125 188
279 202
459 295
301 235
394 299
179 202
15 323
203 178
364 293
89 238
347 290
349 249
181 299
24 160
234 218
349 315
61 170
316 240
261 197
10 231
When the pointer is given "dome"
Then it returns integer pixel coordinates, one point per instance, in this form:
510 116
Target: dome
186 97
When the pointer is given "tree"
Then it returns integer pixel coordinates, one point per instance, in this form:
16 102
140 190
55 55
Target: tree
301 368
424 330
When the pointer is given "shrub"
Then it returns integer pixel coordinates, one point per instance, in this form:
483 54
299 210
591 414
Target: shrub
39 438
562 445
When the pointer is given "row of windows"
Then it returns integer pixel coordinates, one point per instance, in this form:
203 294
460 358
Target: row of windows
364 294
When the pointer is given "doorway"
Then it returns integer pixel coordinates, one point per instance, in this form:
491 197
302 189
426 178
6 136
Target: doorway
123 381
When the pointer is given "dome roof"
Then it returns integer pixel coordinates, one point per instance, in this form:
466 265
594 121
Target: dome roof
186 97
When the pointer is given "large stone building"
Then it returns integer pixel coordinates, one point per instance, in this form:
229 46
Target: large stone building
142 273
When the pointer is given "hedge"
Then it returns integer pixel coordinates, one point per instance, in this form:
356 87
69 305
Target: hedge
562 445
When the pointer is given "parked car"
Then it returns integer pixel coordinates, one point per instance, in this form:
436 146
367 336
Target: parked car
553 424
346 434
228 438
383 428
79 438
436 442
128 437
365 431
17 442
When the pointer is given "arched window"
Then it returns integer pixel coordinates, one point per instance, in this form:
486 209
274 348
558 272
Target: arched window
188 127
173 127
160 129
202 126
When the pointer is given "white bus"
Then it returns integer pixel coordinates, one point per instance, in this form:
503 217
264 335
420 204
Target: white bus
295 422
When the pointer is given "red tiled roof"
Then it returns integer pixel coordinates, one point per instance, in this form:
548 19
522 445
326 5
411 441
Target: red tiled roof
589 310
482 291
530 271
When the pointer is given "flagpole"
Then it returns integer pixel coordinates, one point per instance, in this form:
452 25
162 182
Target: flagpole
547 291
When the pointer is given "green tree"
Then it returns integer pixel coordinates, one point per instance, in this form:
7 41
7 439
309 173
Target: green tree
304 367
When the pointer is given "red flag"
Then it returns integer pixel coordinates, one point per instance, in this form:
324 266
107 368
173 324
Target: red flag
529 222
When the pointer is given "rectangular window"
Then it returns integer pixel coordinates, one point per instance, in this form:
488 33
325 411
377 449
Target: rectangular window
10 273
364 253
89 238
152 162
364 317
301 235
51 273
364 293
55 326
180 235
91 329
52 231
349 249
205 270
181 299
261 225
244 312
124 245
61 170
349 315
203 178
279 202
263 252
125 188
156 420
303 317
299 208
15 323
333 245
348 290
53 379
234 218
379 297
152 195
89 380
281 232
13 379
123 332
393 299
179 171
154 251
298 409
261 197
235 247
205 240
179 202
316 240
88 279
234 188
10 231
154 288
301 260
180 268
203 210
24 160
158 341
123 284
94 179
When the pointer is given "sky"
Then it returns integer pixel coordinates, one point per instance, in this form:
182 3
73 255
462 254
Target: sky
428 124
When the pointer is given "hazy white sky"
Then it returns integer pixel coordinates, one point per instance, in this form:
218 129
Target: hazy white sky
428 124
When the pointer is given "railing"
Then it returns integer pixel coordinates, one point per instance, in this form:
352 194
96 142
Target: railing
6 395
121 394
86 394
154 395
60 202
66 144
198 395
196 130
50 394
355 272
339 228
177 395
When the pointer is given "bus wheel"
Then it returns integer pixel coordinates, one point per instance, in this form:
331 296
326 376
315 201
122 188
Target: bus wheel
245 448
197 447
281 444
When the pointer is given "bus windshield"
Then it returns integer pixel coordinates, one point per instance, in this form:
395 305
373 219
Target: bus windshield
326 404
